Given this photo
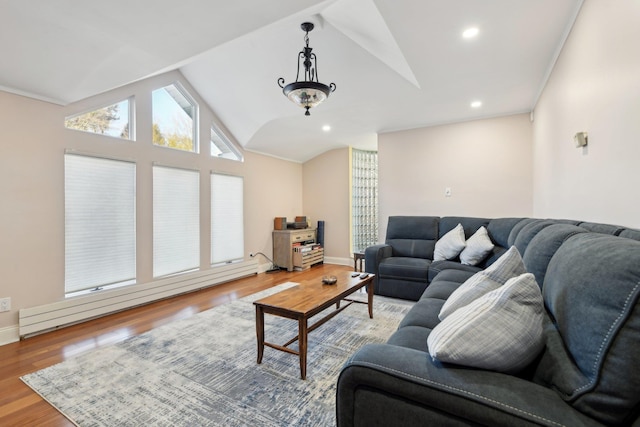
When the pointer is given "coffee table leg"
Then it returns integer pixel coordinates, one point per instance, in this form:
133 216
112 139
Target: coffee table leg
370 299
302 342
260 332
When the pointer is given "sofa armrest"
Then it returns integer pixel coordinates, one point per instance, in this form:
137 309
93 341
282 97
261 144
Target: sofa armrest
372 257
384 384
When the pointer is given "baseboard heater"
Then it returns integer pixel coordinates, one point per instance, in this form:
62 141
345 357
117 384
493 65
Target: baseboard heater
43 318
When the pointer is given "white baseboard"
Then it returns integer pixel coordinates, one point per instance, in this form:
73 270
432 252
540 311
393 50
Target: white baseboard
264 267
338 261
9 334
327 260
34 320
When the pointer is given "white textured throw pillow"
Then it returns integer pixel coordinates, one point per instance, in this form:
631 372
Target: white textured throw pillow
500 331
477 247
509 265
450 245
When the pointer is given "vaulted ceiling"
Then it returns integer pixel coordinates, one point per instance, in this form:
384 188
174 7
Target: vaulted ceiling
397 64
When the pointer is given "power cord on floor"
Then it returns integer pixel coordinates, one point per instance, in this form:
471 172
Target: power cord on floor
274 268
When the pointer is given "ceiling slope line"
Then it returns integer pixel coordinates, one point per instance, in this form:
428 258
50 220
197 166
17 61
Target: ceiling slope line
362 22
556 54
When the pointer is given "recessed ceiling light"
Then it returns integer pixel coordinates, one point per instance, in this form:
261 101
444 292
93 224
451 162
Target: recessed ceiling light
476 104
326 128
470 33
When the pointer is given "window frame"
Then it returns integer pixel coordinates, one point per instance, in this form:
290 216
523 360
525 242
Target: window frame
228 223
99 254
236 155
193 263
130 113
195 120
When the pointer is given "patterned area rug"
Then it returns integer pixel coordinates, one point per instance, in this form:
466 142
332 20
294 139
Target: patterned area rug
202 371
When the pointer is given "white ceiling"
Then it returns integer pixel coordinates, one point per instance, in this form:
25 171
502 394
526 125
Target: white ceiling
397 64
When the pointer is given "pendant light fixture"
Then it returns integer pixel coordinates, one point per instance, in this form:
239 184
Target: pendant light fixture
309 92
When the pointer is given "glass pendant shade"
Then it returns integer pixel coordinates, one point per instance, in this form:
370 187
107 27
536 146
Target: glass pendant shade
309 92
306 94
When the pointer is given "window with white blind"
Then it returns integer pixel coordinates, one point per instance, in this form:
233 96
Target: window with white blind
227 218
364 199
176 220
100 222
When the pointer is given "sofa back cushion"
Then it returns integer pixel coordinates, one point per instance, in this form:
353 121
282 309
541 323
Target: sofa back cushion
591 291
596 227
630 233
544 245
517 228
469 224
412 236
499 230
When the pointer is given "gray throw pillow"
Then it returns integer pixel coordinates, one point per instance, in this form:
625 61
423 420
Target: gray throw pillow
450 245
477 247
500 331
509 265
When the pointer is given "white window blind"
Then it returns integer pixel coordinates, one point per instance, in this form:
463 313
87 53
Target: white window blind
227 218
364 203
100 222
176 220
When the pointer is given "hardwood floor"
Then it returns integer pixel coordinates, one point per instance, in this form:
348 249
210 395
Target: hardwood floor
20 406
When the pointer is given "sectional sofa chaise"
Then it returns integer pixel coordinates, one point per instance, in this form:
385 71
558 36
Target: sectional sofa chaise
574 362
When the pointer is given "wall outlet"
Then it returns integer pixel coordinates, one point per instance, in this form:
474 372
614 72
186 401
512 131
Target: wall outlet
251 254
447 192
5 304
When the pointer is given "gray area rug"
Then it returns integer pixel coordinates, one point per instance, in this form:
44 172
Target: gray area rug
202 371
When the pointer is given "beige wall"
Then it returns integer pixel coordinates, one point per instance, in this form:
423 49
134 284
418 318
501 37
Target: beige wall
273 188
495 167
32 145
326 197
486 163
594 87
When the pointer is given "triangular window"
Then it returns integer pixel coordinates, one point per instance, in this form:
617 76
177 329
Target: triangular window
112 120
175 116
222 147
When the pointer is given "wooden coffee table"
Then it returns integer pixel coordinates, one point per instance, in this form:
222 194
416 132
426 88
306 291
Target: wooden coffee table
304 301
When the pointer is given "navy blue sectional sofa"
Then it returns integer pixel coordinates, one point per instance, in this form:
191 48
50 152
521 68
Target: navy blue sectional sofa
588 373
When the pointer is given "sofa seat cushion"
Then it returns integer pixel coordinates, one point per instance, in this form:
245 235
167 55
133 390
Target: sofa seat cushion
440 289
414 337
453 275
404 268
440 266
424 313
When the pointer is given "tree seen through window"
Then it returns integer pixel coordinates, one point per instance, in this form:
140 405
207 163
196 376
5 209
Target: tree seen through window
174 119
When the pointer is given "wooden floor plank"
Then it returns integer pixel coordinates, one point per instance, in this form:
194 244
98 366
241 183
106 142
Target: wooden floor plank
20 406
